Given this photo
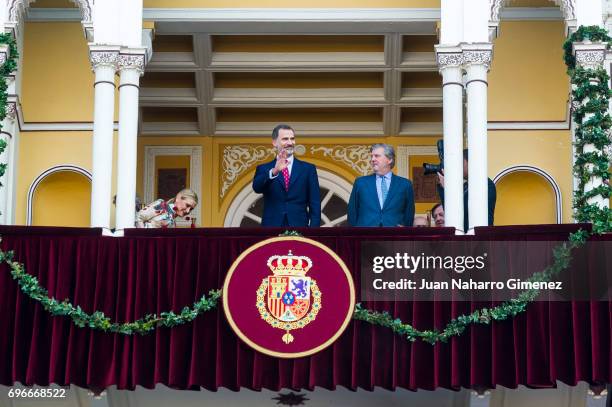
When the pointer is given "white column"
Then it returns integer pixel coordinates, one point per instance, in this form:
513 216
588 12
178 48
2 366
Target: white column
104 63
131 67
477 62
476 15
589 12
591 56
451 22
7 157
450 61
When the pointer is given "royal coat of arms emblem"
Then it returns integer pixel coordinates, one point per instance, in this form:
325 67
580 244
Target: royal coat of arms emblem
288 296
288 299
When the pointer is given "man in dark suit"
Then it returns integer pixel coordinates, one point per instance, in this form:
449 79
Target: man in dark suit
492 194
290 187
383 198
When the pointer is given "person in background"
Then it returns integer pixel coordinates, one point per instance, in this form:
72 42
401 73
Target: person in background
162 214
382 198
437 213
492 194
420 222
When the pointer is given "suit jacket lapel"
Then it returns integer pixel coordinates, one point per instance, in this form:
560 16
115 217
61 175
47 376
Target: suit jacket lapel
391 191
372 188
296 171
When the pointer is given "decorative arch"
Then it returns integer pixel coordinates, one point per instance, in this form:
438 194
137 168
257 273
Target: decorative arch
335 185
542 173
568 8
17 8
41 177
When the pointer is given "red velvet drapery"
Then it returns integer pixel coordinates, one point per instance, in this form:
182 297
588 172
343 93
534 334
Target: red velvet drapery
155 271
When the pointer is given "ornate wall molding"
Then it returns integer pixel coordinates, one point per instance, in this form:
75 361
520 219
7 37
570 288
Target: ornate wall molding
85 6
18 8
496 6
568 8
238 159
357 157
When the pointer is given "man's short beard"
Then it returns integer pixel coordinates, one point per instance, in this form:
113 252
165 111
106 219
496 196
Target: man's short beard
289 150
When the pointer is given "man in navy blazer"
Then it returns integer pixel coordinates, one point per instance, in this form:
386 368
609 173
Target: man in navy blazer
381 199
290 187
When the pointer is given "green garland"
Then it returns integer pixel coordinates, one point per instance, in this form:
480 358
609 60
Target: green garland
10 65
590 85
30 286
591 95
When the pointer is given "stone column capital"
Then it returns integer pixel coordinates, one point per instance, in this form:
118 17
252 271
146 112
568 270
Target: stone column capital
4 53
448 57
132 58
590 55
103 56
11 111
478 54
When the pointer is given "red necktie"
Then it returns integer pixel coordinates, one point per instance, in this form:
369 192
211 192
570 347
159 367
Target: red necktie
286 178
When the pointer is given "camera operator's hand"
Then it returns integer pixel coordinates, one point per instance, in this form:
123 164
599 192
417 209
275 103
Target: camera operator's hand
441 178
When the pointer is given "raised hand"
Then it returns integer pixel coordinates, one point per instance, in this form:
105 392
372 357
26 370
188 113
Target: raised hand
281 162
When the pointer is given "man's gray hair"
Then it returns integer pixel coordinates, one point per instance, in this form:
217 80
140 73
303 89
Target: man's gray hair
389 151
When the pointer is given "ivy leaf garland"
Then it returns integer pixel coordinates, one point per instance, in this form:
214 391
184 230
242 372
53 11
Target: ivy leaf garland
590 96
5 71
97 320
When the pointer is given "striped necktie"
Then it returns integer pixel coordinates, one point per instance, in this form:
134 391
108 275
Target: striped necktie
383 188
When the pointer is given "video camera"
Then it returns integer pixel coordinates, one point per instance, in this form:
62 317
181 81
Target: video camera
435 168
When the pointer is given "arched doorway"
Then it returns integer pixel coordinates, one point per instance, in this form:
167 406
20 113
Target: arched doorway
526 196
247 208
60 196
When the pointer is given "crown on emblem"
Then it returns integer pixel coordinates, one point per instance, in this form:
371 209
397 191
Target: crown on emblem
289 265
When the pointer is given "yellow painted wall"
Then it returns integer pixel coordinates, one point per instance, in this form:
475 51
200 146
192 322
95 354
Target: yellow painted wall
62 199
524 198
57 83
281 4
549 151
527 81
39 151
